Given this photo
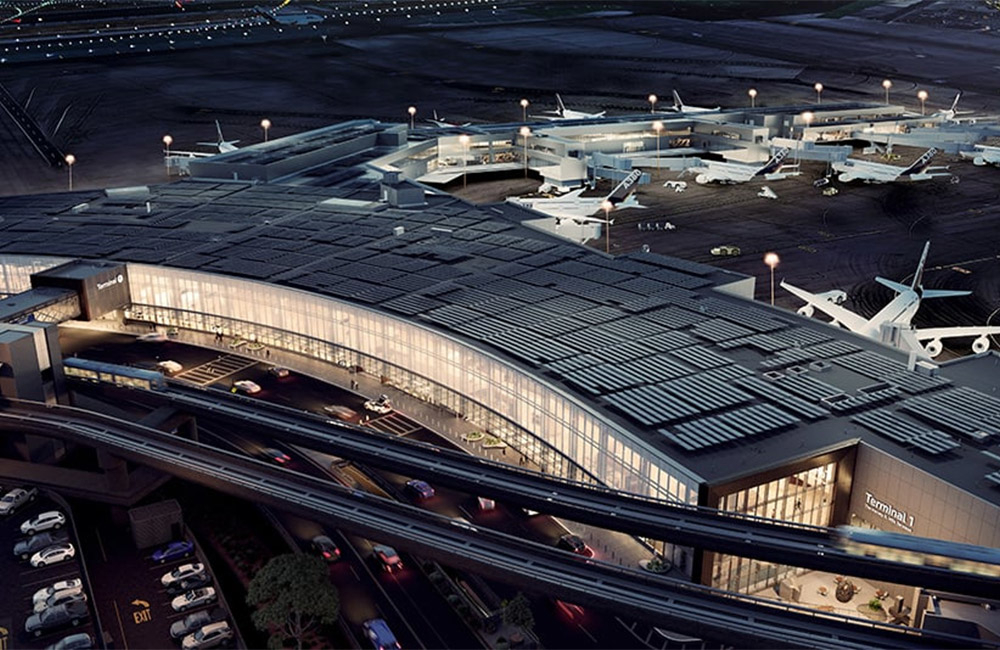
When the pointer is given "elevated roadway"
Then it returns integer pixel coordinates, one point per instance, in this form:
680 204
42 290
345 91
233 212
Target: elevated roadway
764 539
681 606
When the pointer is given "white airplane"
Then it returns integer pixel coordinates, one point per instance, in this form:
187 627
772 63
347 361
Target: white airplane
224 146
729 172
873 172
563 113
899 312
983 155
437 121
580 208
951 115
680 107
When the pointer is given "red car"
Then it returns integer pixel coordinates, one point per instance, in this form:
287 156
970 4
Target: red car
388 557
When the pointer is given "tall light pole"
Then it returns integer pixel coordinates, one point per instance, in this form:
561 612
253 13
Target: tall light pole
606 206
818 87
807 118
771 259
922 96
887 85
70 161
525 132
266 125
524 110
412 111
753 97
657 126
464 139
167 141
652 103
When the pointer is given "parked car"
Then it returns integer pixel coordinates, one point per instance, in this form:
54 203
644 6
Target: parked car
196 620
208 636
196 581
341 412
279 371
381 637
71 613
53 554
182 572
49 520
28 546
576 544
246 386
193 598
60 597
16 498
388 557
169 367
173 551
419 489
381 405
62 585
275 455
325 548
153 337
726 250
79 641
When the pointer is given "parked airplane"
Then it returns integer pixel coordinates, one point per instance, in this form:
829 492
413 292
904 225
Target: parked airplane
437 121
224 146
873 172
680 107
983 155
899 312
563 113
729 172
579 208
952 113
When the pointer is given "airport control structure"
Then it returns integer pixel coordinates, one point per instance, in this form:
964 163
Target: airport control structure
642 372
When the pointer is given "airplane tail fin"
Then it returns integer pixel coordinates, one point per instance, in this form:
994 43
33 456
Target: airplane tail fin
678 104
918 277
954 105
436 118
774 163
625 188
218 129
921 163
559 103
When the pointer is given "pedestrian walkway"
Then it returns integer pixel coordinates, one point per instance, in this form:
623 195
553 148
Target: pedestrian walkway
213 371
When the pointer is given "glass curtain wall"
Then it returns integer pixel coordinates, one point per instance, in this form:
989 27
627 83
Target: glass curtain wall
805 497
16 270
540 420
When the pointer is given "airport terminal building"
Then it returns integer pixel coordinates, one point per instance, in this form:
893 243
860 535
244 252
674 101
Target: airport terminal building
643 372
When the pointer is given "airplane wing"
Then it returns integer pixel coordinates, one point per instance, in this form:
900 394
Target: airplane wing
845 317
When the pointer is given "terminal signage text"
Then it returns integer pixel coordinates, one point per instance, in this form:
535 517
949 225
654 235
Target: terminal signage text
887 511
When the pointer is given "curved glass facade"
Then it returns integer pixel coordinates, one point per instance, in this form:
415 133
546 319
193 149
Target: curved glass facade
495 394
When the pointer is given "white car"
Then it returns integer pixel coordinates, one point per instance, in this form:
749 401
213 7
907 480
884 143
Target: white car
208 636
15 499
182 572
53 554
382 405
193 598
246 386
50 520
63 585
170 367
58 598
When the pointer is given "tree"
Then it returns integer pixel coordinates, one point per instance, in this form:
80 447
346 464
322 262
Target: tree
293 595
517 612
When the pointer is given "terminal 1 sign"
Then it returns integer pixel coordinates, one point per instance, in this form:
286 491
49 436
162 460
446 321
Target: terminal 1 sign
888 512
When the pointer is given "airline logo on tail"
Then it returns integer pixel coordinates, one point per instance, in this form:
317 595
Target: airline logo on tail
626 187
775 162
921 163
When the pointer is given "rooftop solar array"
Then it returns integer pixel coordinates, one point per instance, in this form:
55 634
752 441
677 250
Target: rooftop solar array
642 335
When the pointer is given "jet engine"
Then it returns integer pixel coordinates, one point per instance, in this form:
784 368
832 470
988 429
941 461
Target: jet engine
807 311
702 179
981 344
933 348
